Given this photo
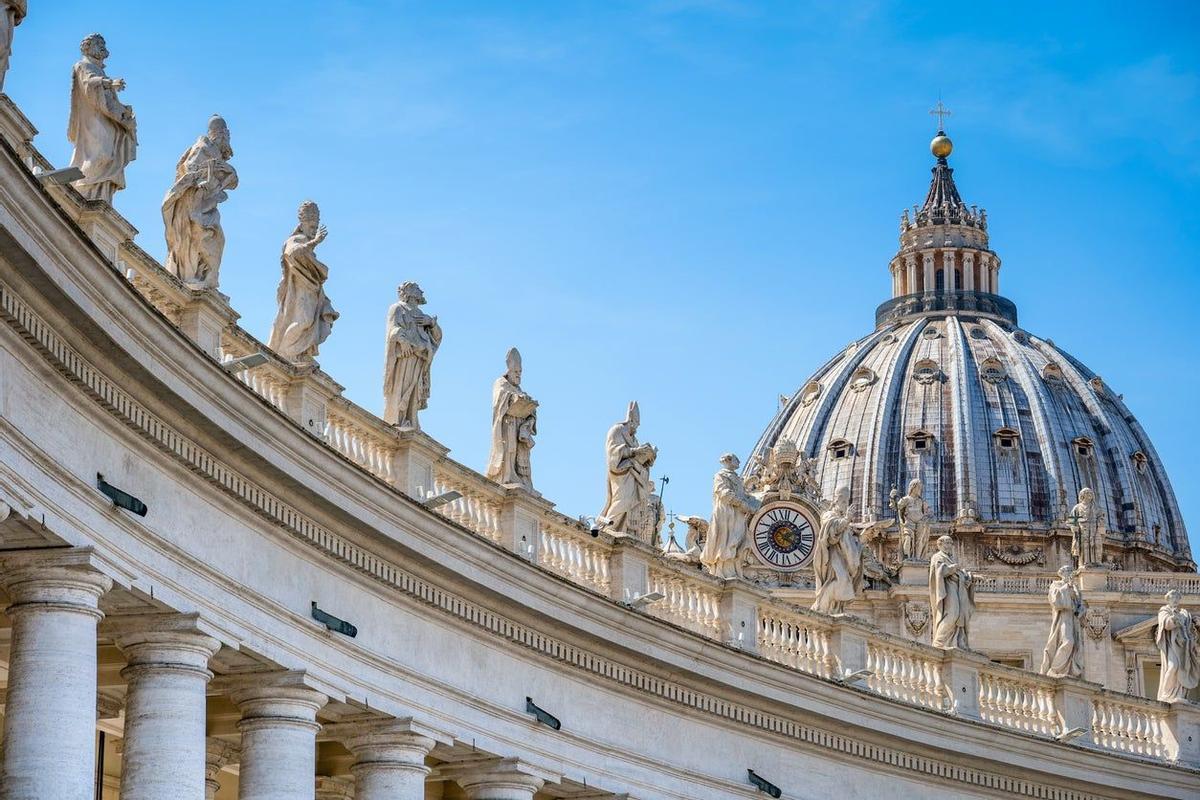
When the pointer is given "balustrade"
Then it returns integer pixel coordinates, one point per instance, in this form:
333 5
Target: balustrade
906 673
1018 700
796 641
567 549
1128 725
690 600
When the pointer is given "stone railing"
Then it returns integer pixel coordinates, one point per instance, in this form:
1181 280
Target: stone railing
479 508
270 381
1153 582
1131 725
567 548
1017 699
795 639
361 437
1012 584
691 599
908 674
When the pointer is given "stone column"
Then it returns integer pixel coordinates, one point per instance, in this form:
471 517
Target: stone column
50 709
499 779
985 273
218 755
910 265
165 751
995 268
969 271
930 282
948 265
279 742
389 758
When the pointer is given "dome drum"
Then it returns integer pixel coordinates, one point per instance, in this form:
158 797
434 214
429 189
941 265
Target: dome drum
978 303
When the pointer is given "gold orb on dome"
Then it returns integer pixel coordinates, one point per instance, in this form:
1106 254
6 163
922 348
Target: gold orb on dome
941 145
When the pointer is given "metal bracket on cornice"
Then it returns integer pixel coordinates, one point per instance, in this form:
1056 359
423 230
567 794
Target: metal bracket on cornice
121 499
541 715
333 623
763 785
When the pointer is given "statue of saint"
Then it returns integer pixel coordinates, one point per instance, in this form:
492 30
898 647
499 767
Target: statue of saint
951 597
514 424
629 485
912 512
837 557
195 241
413 338
1063 656
101 127
1178 642
305 315
11 14
1087 530
732 508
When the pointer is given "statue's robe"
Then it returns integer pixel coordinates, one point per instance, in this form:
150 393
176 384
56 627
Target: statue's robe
103 130
628 480
951 601
1063 655
731 512
11 14
191 218
1179 650
1087 544
837 564
413 338
512 434
305 315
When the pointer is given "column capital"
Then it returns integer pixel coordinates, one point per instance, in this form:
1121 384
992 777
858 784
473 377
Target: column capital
163 641
279 706
65 580
498 778
404 741
218 754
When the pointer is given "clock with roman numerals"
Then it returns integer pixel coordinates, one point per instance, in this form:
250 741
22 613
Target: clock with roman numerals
783 535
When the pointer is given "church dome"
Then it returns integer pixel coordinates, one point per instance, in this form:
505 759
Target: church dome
1002 426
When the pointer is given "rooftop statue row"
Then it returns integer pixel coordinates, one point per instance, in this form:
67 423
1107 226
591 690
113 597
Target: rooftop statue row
11 14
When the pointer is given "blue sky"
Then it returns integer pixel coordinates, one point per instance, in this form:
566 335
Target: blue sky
688 203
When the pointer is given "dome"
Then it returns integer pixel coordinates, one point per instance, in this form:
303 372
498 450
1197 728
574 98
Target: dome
1002 426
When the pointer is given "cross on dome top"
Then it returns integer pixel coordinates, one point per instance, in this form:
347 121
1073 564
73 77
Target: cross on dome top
941 112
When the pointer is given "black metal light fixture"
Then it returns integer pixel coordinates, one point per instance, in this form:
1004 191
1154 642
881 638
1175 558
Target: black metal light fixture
764 785
333 623
121 499
541 715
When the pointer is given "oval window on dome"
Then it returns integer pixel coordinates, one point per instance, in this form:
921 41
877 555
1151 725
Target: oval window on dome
1140 462
862 378
926 371
810 393
1083 446
992 371
840 448
930 332
978 332
1006 438
1052 372
1097 384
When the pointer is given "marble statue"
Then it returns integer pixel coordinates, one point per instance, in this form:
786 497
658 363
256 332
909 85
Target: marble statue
837 557
629 484
1087 530
1063 655
191 217
305 315
951 597
912 512
102 128
514 424
732 508
1178 640
413 338
11 14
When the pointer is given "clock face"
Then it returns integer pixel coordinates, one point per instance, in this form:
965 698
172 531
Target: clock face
784 534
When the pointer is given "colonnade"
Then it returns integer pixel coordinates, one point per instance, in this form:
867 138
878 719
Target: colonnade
980 271
50 716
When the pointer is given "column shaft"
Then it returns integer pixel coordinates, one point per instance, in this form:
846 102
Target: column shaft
165 750
279 755
50 710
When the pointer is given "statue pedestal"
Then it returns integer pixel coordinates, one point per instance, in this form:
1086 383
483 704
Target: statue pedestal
307 398
1093 579
412 462
204 317
628 567
1183 733
521 513
914 572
